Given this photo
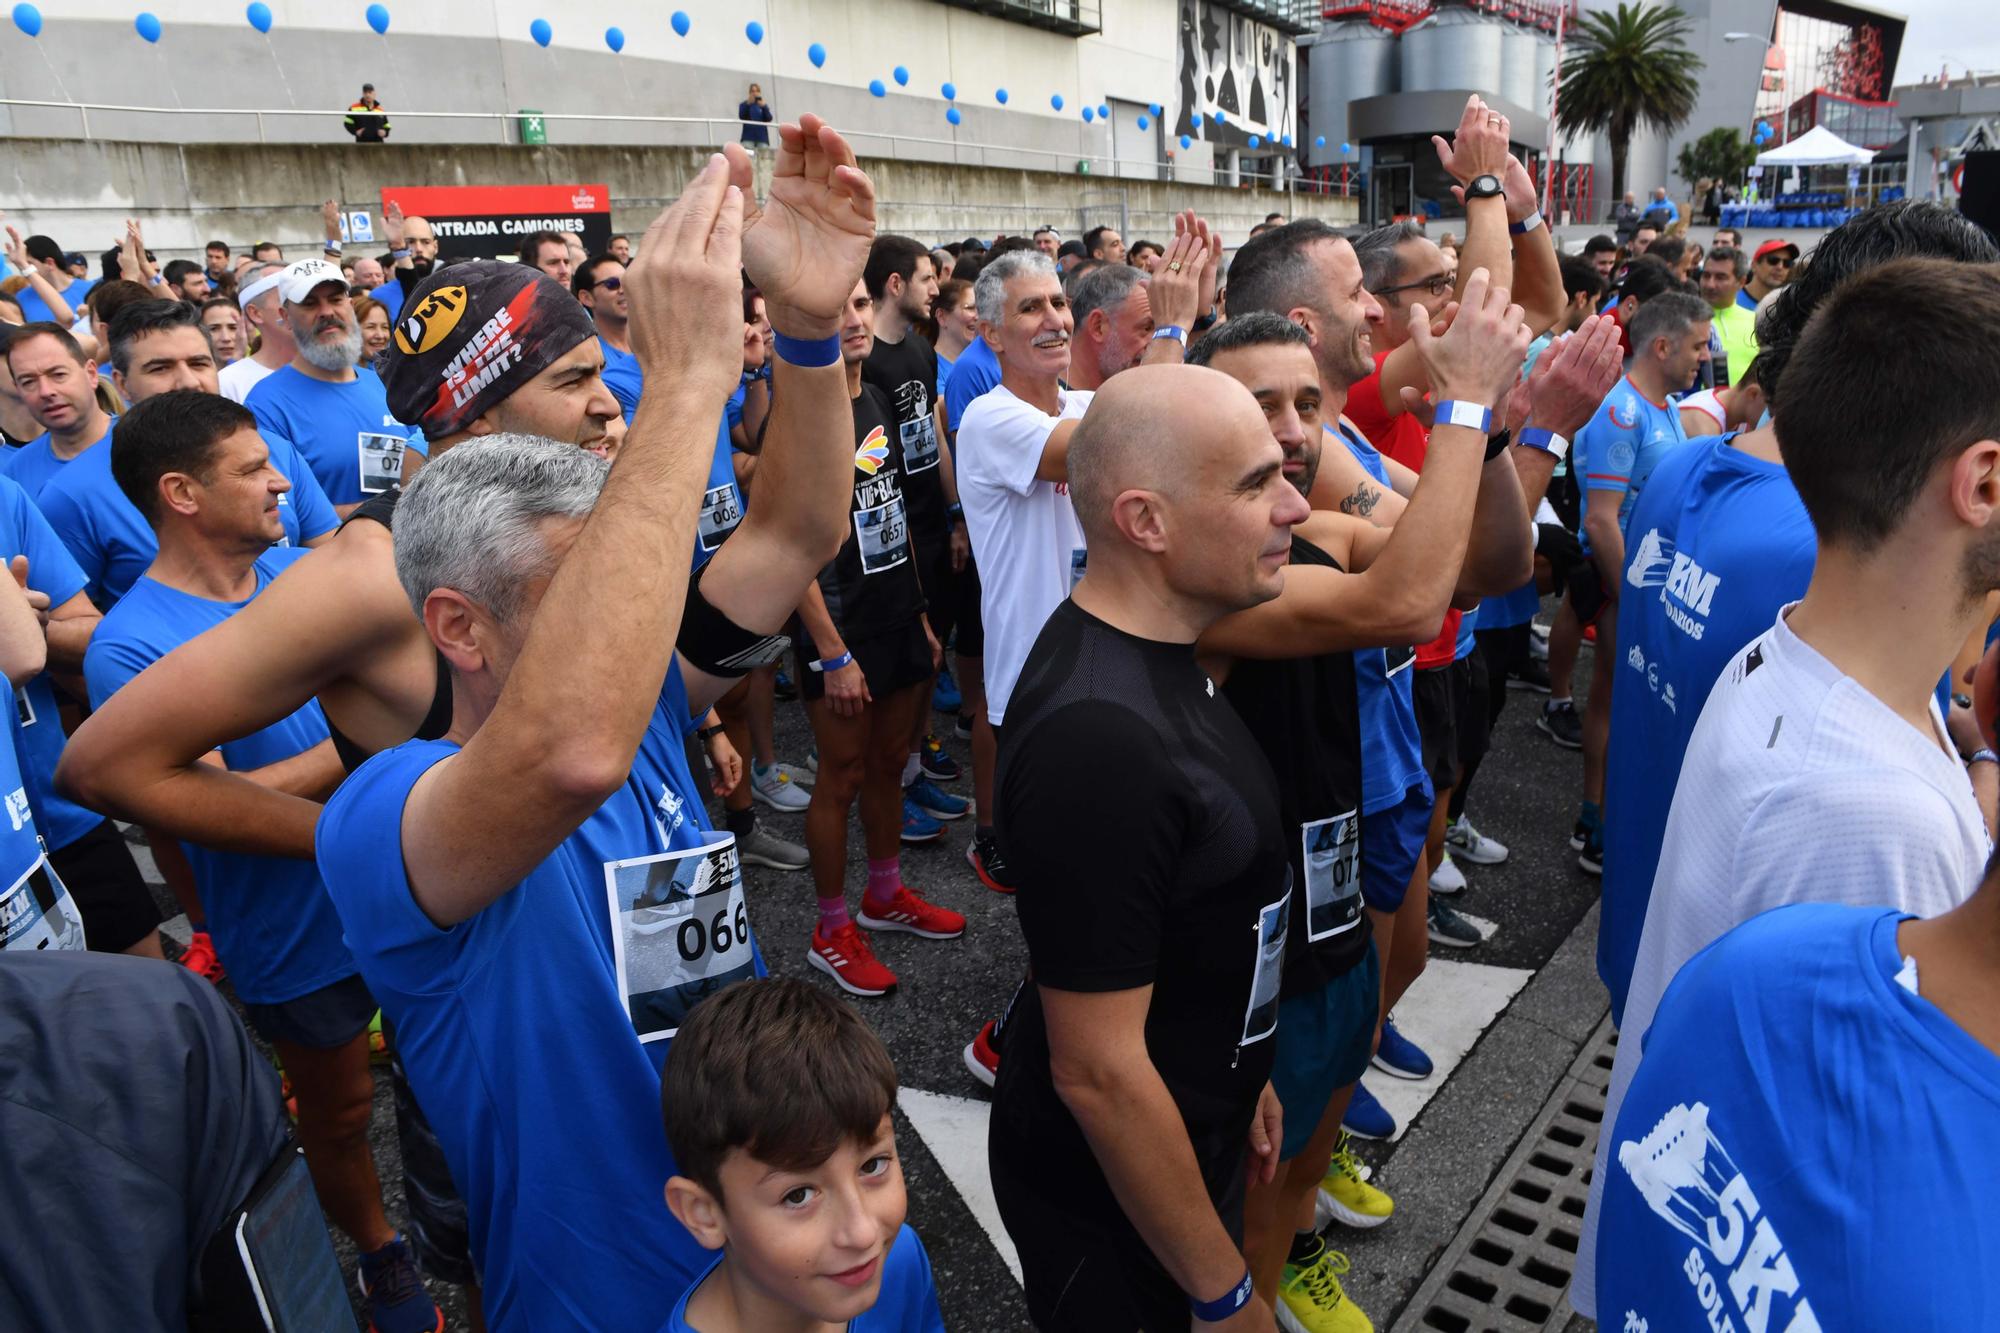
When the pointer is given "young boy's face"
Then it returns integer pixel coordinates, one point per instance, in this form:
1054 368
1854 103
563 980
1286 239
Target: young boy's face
815 1240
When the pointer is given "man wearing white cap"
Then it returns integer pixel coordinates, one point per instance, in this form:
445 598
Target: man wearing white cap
264 314
324 402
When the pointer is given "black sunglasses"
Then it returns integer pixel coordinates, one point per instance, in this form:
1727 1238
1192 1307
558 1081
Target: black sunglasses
608 284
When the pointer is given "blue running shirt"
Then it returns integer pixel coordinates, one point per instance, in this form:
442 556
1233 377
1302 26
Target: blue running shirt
1808 1144
345 432
273 924
722 499
36 910
34 465
974 374
1717 544
907 1302
1623 443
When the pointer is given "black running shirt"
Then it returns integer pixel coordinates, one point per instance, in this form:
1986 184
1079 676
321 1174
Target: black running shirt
871 587
1141 821
1306 717
906 373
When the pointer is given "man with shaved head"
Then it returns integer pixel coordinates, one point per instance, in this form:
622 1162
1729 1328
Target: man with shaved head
1135 1098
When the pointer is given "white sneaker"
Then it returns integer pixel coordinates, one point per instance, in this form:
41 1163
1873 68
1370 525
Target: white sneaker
1474 846
798 774
1447 881
776 790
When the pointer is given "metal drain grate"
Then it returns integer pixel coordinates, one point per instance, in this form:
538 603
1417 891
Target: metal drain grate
1508 1268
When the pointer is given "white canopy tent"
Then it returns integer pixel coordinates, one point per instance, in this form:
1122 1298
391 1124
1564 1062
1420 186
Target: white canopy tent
1817 147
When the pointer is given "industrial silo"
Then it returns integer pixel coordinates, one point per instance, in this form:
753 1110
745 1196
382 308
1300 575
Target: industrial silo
1517 66
1454 48
1350 61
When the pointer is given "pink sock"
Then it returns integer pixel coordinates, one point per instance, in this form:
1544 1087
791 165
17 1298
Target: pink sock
884 878
832 914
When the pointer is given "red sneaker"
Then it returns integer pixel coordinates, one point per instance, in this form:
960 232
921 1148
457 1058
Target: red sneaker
200 957
849 960
982 1061
907 912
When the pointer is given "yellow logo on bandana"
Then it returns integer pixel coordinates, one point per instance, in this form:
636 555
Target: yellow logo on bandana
432 321
873 453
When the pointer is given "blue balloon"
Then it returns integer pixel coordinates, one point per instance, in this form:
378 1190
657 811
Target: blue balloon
950 91
754 31
1220 119
1104 111
541 32
378 19
681 22
1000 96
1186 142
258 13
1345 149
1320 141
1285 139
1055 101
29 19
148 26
615 39
1089 114
877 88
1256 141
901 75
1195 120
951 114
817 54
1144 123
1157 112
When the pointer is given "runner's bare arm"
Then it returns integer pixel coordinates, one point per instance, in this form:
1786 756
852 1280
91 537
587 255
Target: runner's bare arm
1344 486
804 251
24 648
70 627
310 774
1054 464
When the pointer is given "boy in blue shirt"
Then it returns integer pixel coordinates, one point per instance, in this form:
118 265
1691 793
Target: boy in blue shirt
1635 427
802 1192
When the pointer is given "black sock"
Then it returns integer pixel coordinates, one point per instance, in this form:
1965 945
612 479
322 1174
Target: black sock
1306 1246
740 822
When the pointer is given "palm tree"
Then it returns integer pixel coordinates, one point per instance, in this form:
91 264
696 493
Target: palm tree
1627 69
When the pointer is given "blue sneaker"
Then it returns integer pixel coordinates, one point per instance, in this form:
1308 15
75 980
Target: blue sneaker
945 697
1367 1118
918 826
1400 1056
397 1301
928 797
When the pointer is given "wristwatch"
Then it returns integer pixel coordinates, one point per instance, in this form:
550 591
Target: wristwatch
1484 187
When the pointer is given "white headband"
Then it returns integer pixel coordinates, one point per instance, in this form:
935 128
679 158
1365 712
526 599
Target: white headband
245 295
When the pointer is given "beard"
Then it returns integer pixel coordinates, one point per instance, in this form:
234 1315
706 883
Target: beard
419 270
331 356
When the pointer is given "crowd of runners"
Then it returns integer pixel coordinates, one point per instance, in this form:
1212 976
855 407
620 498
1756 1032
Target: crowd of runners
430 618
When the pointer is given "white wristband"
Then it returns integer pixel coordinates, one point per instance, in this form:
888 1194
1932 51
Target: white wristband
1458 412
1526 224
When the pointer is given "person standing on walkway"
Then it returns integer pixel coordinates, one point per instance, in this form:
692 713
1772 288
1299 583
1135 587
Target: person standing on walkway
755 115
366 120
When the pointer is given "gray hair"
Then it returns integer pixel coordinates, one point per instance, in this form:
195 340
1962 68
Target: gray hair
471 521
1103 288
989 293
1381 264
1668 315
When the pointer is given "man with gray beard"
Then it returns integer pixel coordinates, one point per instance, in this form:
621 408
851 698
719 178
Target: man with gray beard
337 414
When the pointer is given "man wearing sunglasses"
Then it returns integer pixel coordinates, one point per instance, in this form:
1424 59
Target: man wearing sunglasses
1769 270
600 285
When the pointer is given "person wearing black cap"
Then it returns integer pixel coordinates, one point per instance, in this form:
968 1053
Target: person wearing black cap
366 120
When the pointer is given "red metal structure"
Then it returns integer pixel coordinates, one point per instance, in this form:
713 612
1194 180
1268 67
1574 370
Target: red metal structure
1401 15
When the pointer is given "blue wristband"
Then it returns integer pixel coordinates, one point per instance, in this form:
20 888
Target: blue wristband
811 353
1214 1312
826 664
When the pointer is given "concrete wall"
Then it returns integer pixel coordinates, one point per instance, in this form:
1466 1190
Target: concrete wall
80 193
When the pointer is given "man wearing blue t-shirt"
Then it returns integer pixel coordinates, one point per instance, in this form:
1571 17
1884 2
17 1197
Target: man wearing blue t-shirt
1635 428
337 415
46 259
195 466
599 285
156 347
58 386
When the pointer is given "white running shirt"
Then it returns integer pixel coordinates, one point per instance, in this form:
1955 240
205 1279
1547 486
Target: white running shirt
1709 406
1799 786
1023 530
238 378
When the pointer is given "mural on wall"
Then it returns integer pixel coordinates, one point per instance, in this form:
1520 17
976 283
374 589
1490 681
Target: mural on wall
1233 64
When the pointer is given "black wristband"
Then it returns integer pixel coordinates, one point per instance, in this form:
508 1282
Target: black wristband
1496 444
708 734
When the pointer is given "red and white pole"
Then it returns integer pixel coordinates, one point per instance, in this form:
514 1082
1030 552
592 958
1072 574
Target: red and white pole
1555 87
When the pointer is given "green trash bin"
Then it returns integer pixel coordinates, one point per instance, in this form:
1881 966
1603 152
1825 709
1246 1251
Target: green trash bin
534 129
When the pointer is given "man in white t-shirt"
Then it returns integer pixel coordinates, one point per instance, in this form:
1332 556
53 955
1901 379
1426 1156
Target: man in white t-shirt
1821 770
264 313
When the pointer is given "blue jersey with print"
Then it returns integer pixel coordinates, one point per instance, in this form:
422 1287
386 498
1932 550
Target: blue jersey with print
722 499
38 728
36 311
273 924
335 428
114 544
1807 1145
1623 443
976 372
1717 544
1392 758
906 1303
34 465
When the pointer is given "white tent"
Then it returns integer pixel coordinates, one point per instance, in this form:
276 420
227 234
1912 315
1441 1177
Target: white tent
1817 147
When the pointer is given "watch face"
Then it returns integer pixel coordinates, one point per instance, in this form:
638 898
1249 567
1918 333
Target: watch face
1484 187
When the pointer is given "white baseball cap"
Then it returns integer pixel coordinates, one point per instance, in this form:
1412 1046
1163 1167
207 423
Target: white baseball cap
298 280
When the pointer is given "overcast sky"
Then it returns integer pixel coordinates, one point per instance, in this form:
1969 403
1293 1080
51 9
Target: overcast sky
1963 32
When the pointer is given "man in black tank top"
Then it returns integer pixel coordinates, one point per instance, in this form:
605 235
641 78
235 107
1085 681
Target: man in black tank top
1134 1093
1288 666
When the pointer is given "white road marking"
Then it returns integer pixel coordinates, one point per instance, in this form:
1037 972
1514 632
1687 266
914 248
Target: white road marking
954 1129
1444 1011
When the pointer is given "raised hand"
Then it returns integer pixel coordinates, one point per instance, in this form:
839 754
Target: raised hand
806 246
1479 357
329 215
1175 287
1572 377
17 251
686 290
1479 147
392 226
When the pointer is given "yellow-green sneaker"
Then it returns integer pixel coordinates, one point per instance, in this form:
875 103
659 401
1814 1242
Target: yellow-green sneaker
1310 1299
1345 1196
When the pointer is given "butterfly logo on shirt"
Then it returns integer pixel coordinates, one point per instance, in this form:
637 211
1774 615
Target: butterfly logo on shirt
873 453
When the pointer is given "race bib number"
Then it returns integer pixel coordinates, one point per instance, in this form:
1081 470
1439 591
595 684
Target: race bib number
719 516
1332 861
680 931
1079 565
1397 659
1261 1019
381 462
919 437
24 707
882 535
37 913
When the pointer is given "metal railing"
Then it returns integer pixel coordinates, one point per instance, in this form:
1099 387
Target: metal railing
679 131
